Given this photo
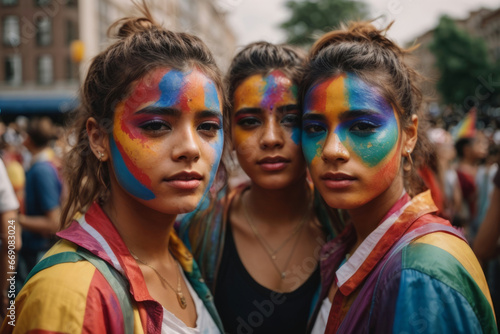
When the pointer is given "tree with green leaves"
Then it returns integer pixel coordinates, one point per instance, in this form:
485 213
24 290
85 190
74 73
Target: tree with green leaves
312 18
463 63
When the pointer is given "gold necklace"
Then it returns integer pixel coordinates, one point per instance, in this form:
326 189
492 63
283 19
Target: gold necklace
272 252
180 296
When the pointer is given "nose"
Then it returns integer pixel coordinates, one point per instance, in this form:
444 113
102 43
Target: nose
272 136
334 150
186 147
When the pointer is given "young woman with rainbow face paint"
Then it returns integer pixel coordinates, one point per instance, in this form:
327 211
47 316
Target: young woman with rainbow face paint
149 143
396 267
258 244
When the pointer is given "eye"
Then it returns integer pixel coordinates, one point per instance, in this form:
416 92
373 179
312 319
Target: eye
248 122
363 128
290 120
209 128
155 127
314 129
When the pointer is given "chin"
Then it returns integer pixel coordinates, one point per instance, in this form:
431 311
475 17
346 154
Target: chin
272 183
345 202
175 206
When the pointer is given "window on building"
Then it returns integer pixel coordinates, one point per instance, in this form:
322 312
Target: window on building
71 31
44 31
42 2
11 34
45 70
13 70
10 2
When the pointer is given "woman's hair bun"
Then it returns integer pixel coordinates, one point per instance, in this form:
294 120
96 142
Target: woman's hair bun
132 25
129 26
357 32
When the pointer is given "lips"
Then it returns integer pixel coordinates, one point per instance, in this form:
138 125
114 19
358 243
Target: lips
337 180
185 180
273 164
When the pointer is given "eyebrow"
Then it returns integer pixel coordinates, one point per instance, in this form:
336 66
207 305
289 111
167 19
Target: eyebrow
154 110
208 114
256 111
166 111
253 111
346 115
350 114
313 117
288 107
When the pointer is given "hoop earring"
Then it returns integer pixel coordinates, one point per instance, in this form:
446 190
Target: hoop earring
409 156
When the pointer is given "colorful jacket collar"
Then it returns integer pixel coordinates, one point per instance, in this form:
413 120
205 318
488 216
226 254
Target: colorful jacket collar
397 222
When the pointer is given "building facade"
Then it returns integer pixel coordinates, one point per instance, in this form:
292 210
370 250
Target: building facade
38 70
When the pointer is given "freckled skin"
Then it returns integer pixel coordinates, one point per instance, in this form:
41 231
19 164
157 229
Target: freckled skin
142 159
364 145
273 131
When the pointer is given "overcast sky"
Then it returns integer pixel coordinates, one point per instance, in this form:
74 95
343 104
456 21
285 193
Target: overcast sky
254 20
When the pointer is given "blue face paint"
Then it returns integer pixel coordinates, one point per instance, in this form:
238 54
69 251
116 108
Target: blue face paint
170 87
125 177
361 118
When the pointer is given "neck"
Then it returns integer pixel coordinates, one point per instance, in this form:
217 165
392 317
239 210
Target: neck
367 217
146 232
279 206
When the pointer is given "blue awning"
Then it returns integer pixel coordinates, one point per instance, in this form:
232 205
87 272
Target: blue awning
36 104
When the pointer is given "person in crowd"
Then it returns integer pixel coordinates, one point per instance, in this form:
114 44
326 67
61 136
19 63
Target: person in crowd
397 267
487 240
42 193
471 151
149 139
13 164
9 235
258 243
484 182
447 180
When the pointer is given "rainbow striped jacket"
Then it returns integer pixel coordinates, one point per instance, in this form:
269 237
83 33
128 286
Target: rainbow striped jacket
75 297
414 273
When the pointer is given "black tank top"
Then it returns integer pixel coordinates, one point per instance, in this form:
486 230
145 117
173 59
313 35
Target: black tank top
246 307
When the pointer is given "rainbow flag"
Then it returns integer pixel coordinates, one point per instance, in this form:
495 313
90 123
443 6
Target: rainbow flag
466 128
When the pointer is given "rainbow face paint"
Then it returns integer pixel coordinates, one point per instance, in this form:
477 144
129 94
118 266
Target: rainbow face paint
349 127
169 116
265 125
274 94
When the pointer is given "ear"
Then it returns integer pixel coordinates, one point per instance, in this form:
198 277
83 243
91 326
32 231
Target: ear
98 139
410 135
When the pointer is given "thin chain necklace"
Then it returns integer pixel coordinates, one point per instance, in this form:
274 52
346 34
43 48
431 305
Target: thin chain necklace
272 252
180 296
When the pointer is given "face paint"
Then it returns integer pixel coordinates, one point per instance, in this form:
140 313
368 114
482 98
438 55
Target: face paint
161 105
269 93
265 124
350 121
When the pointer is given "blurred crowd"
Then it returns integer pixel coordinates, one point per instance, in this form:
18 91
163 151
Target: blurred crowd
460 176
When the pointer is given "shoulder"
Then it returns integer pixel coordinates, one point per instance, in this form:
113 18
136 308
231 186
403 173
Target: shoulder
42 167
442 283
63 297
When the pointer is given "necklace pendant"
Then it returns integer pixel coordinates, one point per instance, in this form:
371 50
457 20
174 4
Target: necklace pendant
182 300
283 275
